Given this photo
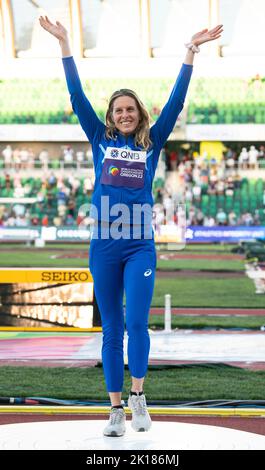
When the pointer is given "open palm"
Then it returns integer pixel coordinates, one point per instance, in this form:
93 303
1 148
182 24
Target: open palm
57 30
207 35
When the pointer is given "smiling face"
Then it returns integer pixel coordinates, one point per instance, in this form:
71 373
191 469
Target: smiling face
125 114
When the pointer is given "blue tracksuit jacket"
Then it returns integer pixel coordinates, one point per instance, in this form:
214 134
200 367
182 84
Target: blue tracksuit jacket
94 129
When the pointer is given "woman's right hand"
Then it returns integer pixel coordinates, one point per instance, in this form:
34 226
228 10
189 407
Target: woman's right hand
57 30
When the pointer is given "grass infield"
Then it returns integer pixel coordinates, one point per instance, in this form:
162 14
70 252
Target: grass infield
211 322
189 382
186 382
190 291
207 292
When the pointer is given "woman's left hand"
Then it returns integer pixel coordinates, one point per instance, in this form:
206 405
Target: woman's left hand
205 35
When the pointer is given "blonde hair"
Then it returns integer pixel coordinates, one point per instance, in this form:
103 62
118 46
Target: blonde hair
142 131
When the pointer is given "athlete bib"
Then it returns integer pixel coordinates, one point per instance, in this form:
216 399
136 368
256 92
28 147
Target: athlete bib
123 167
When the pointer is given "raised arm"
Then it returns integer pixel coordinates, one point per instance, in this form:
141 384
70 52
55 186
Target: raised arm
91 124
167 119
200 38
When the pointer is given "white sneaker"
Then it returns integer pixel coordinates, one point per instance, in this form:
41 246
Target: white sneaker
141 420
116 425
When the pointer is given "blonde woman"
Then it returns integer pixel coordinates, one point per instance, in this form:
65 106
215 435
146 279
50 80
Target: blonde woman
125 154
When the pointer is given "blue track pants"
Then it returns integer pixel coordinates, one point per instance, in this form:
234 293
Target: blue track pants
119 266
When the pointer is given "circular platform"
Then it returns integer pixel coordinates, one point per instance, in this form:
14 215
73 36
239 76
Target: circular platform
87 435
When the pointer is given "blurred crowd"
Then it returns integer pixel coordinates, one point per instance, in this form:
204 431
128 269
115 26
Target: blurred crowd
54 200
199 175
25 158
243 158
58 199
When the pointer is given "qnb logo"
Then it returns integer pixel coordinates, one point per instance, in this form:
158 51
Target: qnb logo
114 153
130 155
148 272
113 170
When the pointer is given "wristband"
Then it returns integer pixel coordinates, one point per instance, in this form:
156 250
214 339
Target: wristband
192 47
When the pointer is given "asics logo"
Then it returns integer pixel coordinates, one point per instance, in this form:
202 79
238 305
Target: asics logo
148 272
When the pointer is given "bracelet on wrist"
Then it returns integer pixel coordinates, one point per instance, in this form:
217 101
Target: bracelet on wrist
192 47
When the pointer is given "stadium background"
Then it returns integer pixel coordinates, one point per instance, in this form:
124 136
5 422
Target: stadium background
46 178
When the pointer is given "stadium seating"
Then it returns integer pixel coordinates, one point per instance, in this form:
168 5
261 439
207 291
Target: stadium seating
210 100
48 196
226 101
249 198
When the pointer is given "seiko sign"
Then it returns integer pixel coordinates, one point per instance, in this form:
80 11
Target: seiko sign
57 276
